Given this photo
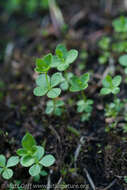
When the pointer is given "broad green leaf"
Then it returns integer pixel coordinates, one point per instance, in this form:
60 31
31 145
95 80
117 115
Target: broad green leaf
55 61
71 56
120 24
39 153
43 173
21 152
54 93
47 160
49 107
42 81
62 67
61 51
107 82
64 85
116 90
2 160
85 78
56 79
34 170
123 60
7 174
40 91
28 141
27 161
105 91
12 161
116 80
59 103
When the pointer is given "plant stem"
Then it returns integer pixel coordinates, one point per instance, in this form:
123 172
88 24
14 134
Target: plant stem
83 95
46 76
54 100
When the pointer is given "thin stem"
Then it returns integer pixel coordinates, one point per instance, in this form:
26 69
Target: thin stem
83 95
54 100
46 76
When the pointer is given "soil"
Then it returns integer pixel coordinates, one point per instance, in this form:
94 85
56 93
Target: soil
103 155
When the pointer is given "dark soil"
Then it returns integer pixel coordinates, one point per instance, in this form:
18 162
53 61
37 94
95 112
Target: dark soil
103 155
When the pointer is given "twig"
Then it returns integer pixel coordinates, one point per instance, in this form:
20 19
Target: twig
55 132
59 182
78 149
110 185
49 180
89 179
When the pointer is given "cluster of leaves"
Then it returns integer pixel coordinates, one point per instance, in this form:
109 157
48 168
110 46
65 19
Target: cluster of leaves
113 109
111 85
85 107
31 156
47 85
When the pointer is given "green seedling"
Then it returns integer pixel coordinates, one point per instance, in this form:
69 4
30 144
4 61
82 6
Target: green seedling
55 107
104 58
123 62
5 166
63 58
47 85
79 83
111 85
113 109
119 47
33 156
104 43
120 24
85 107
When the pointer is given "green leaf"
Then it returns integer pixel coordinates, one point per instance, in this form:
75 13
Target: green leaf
105 91
39 153
85 78
2 160
61 51
47 160
1 169
116 90
62 67
107 82
54 92
71 56
34 170
55 61
21 152
123 60
12 161
56 79
116 80
27 161
64 85
40 91
43 173
49 107
7 174
42 82
28 141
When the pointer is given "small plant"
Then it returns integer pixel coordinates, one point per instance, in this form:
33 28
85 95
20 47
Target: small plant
5 166
123 62
120 24
33 156
63 58
114 108
55 107
85 107
111 85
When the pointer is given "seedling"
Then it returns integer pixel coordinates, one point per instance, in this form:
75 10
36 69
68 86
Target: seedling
33 156
55 107
111 85
114 108
120 24
5 166
123 62
79 83
85 107
63 58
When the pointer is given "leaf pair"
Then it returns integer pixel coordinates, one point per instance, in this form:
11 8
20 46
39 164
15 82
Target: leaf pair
79 83
63 58
5 170
111 85
46 84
